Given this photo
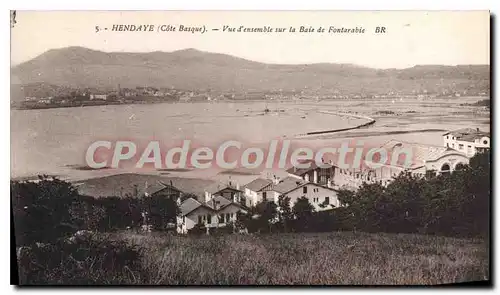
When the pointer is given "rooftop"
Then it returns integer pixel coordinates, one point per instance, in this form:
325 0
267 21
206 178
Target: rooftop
468 134
420 152
188 206
301 171
258 184
217 203
287 184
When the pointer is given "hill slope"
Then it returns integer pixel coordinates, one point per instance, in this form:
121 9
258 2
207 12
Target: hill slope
193 69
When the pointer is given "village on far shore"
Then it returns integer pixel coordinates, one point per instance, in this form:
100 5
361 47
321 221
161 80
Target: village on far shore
216 204
60 97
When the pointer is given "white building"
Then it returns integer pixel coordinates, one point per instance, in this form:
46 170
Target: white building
468 141
285 185
321 197
256 190
218 212
99 96
424 159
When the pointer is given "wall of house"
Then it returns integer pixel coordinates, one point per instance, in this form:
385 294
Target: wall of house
273 196
252 197
189 221
452 160
467 147
316 196
353 178
232 210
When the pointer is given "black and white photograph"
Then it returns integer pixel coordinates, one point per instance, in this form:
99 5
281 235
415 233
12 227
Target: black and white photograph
243 148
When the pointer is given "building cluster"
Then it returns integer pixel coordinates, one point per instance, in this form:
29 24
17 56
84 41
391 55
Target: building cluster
220 203
148 93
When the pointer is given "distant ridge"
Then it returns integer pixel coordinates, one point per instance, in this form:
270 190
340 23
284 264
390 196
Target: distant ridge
194 69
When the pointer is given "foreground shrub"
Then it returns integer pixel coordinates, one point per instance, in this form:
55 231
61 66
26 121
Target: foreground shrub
82 259
41 209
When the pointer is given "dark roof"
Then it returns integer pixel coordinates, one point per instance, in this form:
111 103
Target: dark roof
258 184
215 204
152 188
287 184
468 134
301 171
218 186
188 206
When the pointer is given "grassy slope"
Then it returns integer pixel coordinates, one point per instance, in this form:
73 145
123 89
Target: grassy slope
322 258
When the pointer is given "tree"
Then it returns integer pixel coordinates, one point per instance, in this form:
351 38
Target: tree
285 214
303 211
267 212
41 209
366 205
162 211
88 213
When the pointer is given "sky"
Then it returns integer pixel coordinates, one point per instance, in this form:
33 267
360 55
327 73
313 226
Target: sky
411 38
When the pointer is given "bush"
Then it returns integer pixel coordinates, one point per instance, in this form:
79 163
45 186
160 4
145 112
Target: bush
41 209
197 230
82 259
455 204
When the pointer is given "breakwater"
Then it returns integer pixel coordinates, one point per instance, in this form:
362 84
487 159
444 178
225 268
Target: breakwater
370 121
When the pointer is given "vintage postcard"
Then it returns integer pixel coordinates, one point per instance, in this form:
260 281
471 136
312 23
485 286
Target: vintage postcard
250 147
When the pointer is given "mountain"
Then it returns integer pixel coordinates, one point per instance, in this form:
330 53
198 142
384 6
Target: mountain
192 69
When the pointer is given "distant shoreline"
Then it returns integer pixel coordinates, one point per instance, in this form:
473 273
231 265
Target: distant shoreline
104 103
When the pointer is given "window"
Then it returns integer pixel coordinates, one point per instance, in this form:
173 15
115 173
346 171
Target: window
221 219
447 137
228 217
209 218
327 200
447 145
460 146
264 196
485 142
304 189
200 219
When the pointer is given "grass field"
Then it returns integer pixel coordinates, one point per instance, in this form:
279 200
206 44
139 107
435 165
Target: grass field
321 258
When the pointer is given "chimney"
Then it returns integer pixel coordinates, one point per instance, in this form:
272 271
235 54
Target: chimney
315 176
237 185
